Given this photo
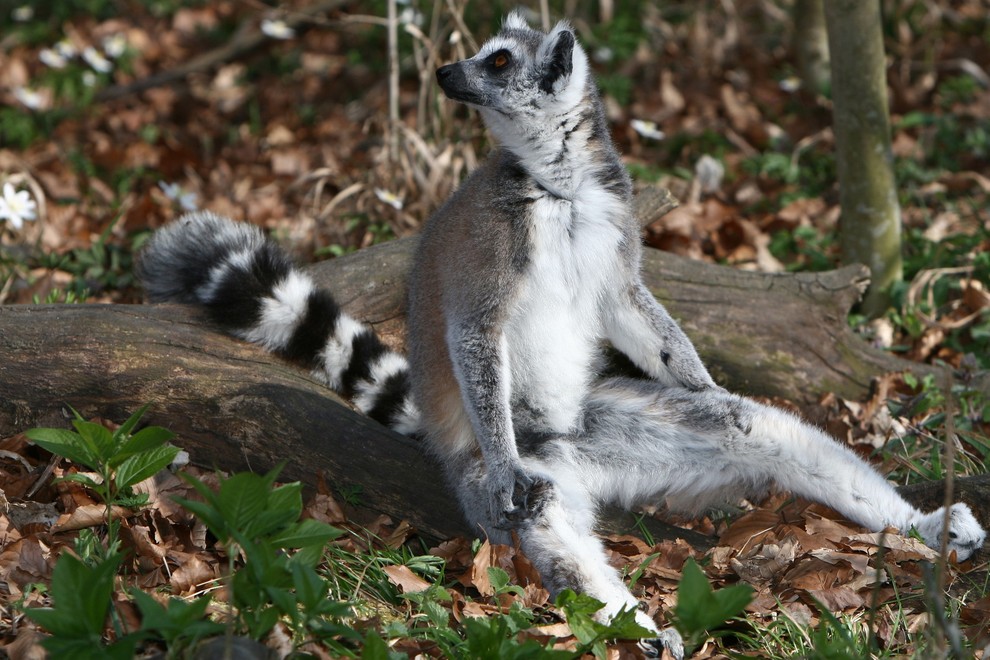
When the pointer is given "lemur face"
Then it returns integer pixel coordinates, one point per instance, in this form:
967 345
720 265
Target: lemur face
520 72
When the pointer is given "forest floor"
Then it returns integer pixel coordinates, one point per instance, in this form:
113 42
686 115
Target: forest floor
282 119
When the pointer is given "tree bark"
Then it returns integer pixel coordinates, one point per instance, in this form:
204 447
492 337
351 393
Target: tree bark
870 225
811 45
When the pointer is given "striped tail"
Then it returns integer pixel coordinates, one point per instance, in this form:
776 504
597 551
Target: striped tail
252 290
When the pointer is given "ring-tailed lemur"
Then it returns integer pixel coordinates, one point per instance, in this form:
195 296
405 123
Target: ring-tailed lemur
519 279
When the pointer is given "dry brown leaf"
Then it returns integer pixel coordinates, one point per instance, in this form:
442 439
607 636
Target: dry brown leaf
88 515
403 577
766 562
838 599
751 529
191 574
897 548
477 575
830 529
24 561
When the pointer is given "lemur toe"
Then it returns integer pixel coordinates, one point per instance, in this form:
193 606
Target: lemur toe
667 639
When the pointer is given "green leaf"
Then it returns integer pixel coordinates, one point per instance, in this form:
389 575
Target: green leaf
578 611
143 465
79 648
310 588
83 479
307 532
144 440
284 600
213 519
98 438
374 647
125 429
179 619
242 498
287 498
501 583
81 597
65 443
699 609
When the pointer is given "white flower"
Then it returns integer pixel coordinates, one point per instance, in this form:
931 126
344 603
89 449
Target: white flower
66 49
16 206
389 198
277 29
410 16
30 98
181 460
647 129
88 78
114 45
97 60
175 193
709 174
790 84
52 58
603 54
23 14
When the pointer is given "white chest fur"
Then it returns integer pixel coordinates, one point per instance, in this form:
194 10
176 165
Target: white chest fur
554 329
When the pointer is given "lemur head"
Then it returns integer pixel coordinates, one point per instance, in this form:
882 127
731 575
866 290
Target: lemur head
520 75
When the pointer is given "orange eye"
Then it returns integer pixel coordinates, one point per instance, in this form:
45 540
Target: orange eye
500 60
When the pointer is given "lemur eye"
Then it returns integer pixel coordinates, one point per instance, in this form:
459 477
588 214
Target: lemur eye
500 59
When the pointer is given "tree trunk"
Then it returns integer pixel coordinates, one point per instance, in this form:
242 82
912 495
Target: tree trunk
811 45
870 226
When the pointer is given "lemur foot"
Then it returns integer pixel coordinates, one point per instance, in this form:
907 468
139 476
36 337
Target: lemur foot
667 639
966 535
529 495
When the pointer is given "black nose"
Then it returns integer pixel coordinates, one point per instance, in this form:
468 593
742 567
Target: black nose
444 72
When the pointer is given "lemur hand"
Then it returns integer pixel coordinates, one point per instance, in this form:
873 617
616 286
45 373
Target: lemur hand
684 366
515 496
966 535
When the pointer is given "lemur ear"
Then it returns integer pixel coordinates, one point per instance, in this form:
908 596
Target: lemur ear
516 21
559 50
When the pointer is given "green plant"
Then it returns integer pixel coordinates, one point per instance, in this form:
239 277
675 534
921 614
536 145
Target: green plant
56 296
102 265
700 610
920 449
82 585
579 611
179 623
120 458
804 248
81 599
255 519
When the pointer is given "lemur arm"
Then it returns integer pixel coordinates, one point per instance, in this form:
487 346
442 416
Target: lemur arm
641 327
479 355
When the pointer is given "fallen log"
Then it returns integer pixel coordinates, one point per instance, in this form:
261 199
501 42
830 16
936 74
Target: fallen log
761 334
235 407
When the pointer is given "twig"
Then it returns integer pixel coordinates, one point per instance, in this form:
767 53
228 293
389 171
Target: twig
245 40
950 631
393 84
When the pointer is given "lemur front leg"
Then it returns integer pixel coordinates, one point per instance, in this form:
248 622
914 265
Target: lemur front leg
479 355
642 328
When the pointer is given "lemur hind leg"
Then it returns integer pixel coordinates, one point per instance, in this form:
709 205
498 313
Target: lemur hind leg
642 440
558 538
